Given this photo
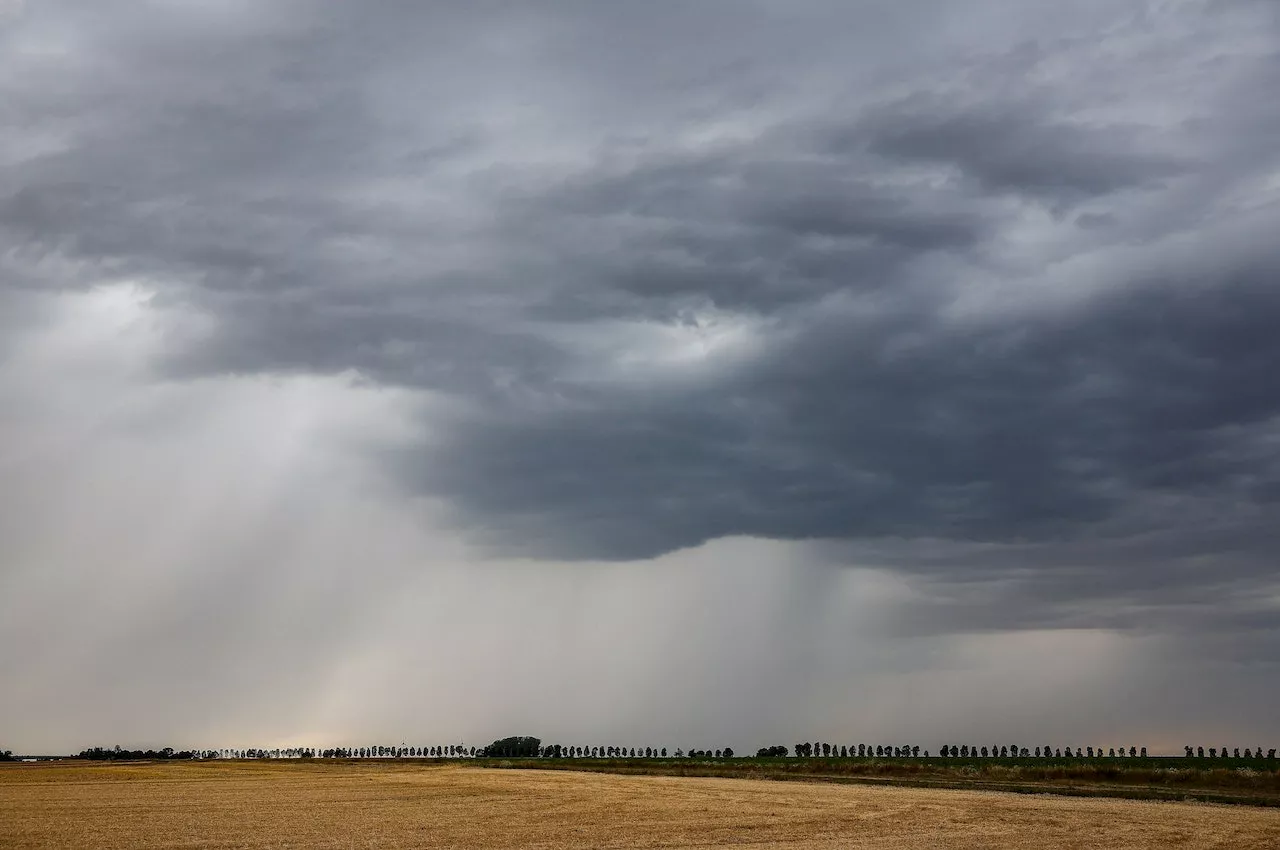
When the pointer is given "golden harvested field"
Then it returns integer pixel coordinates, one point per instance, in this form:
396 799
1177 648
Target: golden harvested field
403 805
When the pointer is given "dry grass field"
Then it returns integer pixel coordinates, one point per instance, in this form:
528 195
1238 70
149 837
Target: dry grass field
402 805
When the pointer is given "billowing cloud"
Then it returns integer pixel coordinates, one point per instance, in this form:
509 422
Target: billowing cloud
978 303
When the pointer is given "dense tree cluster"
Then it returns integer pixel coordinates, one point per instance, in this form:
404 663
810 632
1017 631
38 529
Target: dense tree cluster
514 747
116 753
7 755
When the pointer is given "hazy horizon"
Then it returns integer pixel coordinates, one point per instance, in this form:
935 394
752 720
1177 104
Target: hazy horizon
679 374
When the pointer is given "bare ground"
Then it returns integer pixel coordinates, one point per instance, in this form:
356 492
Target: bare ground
307 805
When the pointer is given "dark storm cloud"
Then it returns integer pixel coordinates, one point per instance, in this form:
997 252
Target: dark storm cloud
503 206
752 228
1046 428
1017 147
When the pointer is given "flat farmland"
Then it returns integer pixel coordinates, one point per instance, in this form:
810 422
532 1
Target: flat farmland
414 805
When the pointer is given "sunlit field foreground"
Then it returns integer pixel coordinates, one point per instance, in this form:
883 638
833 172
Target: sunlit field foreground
400 805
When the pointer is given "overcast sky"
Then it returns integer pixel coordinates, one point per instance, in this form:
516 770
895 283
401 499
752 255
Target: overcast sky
676 374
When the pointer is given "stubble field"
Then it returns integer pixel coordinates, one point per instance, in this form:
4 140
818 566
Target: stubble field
407 805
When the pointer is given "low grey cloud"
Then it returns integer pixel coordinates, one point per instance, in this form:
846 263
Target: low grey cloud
1017 147
982 299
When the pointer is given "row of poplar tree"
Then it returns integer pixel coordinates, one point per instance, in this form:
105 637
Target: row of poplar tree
528 747
505 748
1214 752
1013 751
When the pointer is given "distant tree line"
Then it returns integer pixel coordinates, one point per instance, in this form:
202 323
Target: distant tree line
825 750
376 751
530 747
1014 751
841 751
1214 752
116 753
7 755
512 747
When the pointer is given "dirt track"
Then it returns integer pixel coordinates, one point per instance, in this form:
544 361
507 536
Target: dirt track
392 806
